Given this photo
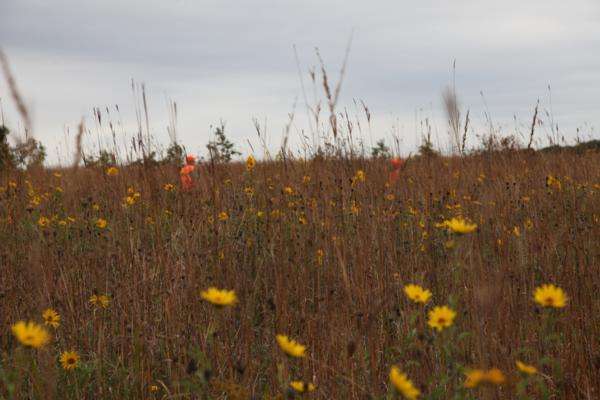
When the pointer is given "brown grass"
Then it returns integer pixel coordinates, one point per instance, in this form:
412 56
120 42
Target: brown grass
155 256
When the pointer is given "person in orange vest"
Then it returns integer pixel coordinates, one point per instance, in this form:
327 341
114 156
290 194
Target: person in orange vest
397 164
187 182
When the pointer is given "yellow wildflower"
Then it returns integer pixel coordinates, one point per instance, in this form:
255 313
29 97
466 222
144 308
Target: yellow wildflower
288 190
35 200
354 208
302 387
458 225
43 221
51 317
219 298
441 317
553 182
526 368
250 163
360 175
30 334
550 296
169 187
223 216
275 214
69 360
101 300
403 385
417 294
101 223
476 377
112 171
319 257
495 376
291 347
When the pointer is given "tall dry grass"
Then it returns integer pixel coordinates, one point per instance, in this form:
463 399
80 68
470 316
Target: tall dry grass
154 256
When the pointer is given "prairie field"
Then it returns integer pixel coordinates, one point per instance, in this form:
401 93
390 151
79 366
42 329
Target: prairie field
319 250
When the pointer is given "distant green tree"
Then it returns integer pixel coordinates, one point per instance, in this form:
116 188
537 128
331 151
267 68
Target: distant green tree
221 149
25 154
426 148
104 159
175 154
29 153
7 160
380 150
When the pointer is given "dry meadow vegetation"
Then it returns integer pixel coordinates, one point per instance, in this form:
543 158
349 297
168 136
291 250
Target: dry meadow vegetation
424 278
315 250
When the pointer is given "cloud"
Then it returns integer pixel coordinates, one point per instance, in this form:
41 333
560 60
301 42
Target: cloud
234 60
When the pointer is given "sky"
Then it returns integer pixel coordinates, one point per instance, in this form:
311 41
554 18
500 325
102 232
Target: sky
234 61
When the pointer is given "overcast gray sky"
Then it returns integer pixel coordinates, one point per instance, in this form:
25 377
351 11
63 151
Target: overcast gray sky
234 60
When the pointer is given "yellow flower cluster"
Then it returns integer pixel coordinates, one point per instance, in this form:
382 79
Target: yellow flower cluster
417 294
100 301
132 197
250 163
220 298
33 335
302 387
